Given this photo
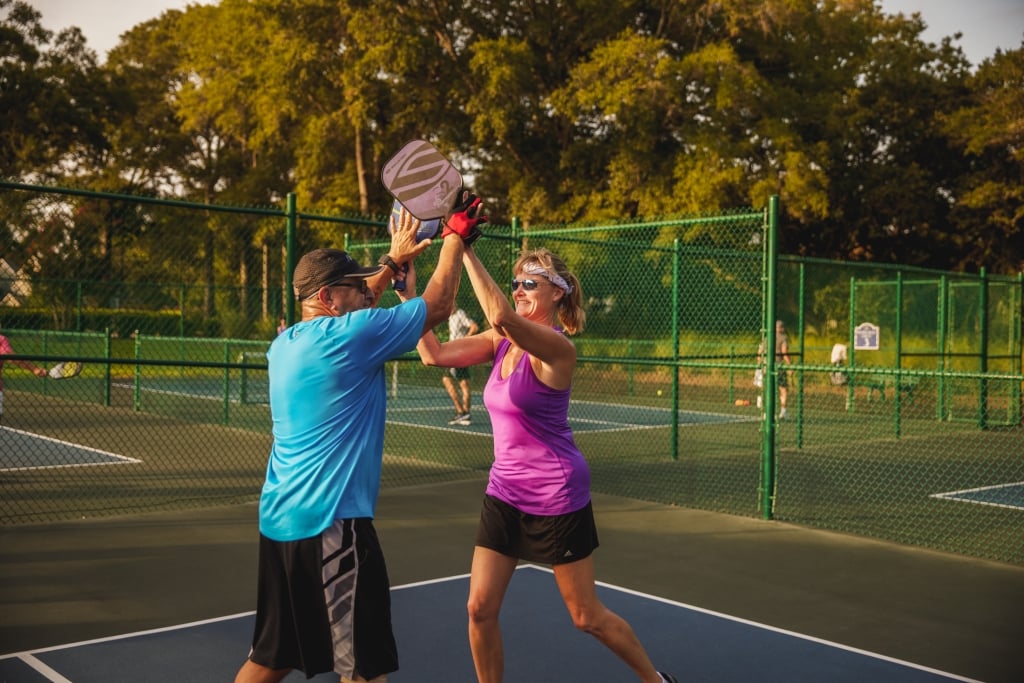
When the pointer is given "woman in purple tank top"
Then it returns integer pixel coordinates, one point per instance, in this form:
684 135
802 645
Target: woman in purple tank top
537 504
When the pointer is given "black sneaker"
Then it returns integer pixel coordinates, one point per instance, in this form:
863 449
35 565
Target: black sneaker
669 678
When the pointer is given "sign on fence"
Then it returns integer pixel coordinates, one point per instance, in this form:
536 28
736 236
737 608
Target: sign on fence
865 337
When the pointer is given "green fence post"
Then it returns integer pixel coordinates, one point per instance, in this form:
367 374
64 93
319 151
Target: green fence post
243 380
108 354
137 384
897 416
983 360
181 310
943 324
46 346
676 266
732 374
801 288
767 498
1017 350
851 353
289 265
225 417
629 365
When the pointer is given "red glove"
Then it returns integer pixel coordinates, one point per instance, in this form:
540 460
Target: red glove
465 219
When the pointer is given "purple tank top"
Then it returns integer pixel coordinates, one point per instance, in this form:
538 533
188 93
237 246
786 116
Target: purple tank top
537 467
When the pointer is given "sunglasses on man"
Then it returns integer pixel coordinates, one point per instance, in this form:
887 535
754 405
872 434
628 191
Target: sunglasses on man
358 284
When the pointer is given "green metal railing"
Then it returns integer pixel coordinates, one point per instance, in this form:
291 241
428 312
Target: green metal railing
918 442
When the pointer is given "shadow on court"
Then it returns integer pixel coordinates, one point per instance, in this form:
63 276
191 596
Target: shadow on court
713 597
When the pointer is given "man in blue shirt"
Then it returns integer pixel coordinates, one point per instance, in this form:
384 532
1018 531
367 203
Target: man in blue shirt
323 600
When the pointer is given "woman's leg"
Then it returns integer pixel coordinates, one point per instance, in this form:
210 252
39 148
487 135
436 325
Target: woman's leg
488 581
576 583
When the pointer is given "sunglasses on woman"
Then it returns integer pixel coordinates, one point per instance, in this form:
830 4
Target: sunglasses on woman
528 285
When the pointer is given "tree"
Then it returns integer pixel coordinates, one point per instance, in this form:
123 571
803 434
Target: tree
558 112
50 94
989 197
53 101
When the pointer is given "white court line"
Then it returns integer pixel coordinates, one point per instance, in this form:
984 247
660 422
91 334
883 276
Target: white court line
29 654
958 495
766 627
125 636
594 425
612 427
441 428
43 669
202 396
119 459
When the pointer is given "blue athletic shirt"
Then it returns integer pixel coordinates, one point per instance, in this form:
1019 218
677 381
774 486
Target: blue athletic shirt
328 397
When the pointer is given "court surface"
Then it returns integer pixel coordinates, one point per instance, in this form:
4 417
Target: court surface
714 597
1000 495
584 417
430 407
540 644
21 450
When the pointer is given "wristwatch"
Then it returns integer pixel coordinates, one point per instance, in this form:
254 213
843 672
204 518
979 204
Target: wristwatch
386 260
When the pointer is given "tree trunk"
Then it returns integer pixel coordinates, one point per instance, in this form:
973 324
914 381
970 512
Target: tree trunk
364 193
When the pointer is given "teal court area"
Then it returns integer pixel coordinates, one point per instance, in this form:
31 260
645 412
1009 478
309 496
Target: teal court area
714 597
540 644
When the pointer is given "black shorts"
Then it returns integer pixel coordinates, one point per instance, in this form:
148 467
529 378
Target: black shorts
459 374
556 539
324 604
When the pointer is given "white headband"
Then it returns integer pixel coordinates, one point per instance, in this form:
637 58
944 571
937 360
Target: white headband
554 278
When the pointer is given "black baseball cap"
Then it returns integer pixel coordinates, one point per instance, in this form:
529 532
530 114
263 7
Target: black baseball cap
323 267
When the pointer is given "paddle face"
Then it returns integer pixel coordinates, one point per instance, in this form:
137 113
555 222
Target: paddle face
428 229
65 370
422 179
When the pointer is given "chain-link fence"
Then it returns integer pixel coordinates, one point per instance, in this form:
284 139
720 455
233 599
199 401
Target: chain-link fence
911 431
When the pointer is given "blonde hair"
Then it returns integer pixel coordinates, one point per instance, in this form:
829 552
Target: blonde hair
571 315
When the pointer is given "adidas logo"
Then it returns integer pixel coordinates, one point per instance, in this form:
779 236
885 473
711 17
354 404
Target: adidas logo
568 553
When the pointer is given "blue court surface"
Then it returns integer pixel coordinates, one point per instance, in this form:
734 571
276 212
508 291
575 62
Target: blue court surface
541 645
998 495
20 450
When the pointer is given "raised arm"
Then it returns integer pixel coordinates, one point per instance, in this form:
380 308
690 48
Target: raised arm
554 350
439 294
6 348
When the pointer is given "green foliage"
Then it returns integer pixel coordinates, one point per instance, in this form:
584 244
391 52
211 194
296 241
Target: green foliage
881 146
990 129
51 94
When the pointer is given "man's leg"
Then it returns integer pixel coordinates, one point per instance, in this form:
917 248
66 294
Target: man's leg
251 672
449 386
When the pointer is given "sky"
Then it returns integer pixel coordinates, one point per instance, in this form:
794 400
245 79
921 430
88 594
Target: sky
985 24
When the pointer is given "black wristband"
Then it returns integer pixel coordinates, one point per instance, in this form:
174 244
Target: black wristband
386 260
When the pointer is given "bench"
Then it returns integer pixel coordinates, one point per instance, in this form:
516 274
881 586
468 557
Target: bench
881 383
876 383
